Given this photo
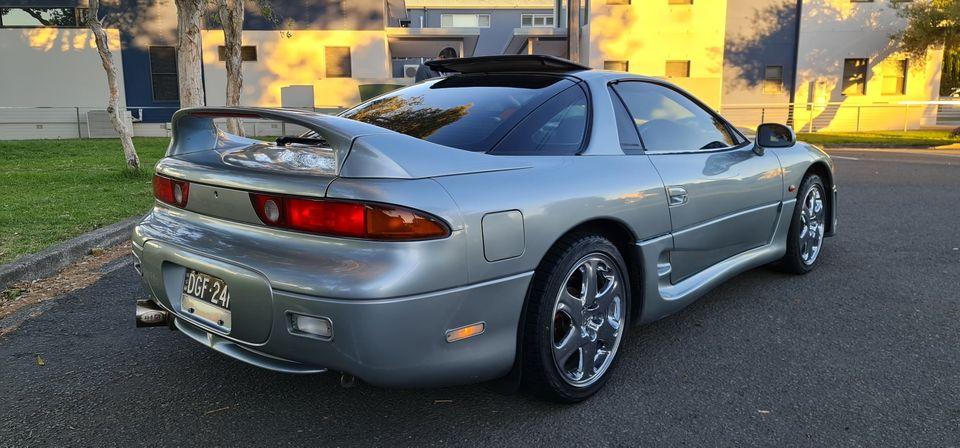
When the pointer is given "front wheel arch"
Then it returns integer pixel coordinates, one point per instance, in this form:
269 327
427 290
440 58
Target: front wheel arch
821 169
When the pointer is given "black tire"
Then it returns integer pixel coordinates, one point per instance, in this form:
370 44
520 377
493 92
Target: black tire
793 261
541 374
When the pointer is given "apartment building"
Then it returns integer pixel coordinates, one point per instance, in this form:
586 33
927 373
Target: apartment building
817 64
321 54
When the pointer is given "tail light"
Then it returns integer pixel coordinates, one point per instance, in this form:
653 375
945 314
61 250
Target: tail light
171 191
349 219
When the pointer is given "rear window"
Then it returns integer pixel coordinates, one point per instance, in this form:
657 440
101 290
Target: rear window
471 112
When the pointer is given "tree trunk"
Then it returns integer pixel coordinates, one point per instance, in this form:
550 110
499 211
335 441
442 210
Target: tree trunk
231 19
117 114
189 60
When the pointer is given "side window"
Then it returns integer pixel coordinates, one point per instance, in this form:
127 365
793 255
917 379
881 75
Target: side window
669 121
557 127
627 131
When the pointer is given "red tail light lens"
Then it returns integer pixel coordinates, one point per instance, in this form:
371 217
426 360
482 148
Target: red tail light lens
350 219
171 191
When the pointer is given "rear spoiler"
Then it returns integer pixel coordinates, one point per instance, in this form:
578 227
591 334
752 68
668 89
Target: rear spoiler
362 150
194 130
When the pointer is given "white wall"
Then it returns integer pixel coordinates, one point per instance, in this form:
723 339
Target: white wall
298 59
647 33
46 73
834 30
54 67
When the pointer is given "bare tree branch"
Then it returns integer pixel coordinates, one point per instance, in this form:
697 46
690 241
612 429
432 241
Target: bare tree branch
117 114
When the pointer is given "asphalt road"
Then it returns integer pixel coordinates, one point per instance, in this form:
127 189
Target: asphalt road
861 352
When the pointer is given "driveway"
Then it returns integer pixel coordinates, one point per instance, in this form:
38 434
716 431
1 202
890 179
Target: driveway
865 351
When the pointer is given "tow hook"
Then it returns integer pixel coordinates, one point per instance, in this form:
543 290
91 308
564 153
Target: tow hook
149 314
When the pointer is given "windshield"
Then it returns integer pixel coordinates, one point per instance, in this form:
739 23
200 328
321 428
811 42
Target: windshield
470 112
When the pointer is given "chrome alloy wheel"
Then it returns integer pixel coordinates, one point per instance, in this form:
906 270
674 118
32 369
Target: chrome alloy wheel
812 224
587 320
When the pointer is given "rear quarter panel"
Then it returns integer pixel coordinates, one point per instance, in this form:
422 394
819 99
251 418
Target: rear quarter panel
555 195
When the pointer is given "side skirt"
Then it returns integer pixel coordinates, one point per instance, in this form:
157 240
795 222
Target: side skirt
661 298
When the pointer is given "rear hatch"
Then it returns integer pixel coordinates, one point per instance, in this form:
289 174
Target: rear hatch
223 169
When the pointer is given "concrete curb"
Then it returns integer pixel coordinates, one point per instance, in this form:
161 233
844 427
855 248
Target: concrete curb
52 259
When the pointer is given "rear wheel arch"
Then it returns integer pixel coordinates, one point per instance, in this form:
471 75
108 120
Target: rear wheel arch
624 239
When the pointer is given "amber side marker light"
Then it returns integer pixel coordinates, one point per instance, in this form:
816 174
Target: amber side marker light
469 331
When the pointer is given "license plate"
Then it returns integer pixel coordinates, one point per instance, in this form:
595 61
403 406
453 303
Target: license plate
206 297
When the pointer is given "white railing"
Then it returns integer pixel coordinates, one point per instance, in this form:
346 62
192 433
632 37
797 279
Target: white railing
24 123
19 123
847 117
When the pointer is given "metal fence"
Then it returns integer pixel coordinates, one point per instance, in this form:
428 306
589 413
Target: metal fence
847 117
19 123
23 123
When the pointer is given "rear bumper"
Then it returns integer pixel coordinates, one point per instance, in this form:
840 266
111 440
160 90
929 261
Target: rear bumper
391 342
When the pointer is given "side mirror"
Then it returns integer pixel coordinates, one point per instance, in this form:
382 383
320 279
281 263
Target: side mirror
773 135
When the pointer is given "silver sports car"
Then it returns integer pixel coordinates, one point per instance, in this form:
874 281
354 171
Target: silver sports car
510 220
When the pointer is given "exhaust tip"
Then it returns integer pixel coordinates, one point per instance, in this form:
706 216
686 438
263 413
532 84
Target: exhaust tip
149 314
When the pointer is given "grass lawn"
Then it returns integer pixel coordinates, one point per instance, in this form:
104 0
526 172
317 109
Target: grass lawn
54 190
880 139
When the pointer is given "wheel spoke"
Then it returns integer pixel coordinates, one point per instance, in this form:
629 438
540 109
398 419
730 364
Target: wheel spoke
588 357
589 274
571 306
567 347
610 330
606 296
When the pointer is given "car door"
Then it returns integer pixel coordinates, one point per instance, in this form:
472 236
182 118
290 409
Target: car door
724 199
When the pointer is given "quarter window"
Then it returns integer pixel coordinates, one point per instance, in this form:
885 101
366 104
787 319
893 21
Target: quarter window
669 121
555 128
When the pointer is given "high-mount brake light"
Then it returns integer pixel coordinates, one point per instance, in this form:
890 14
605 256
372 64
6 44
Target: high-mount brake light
346 218
171 191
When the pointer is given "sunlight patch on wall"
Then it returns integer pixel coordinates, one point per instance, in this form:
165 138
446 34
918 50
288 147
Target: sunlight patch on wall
298 58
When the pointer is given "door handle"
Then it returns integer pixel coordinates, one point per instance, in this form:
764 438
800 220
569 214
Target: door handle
677 195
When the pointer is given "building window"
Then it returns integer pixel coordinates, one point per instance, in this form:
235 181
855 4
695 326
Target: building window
620 66
618 2
854 77
337 60
679 2
536 20
773 79
42 17
678 69
163 74
248 53
464 20
894 77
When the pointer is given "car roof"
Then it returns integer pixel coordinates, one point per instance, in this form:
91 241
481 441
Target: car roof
528 63
506 63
